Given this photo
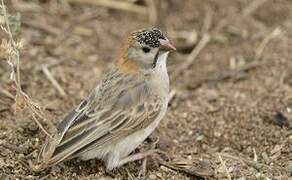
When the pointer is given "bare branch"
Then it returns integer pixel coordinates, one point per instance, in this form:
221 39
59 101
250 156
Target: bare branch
119 5
252 7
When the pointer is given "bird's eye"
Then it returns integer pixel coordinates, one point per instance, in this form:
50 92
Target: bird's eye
146 49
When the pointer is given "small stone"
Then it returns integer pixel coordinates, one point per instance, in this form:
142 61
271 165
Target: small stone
20 156
242 178
217 134
33 127
265 157
200 137
4 152
276 149
185 115
231 169
260 176
56 169
152 176
281 119
159 174
289 168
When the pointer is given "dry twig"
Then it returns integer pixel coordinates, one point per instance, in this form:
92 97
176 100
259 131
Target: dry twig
119 5
43 27
191 58
54 82
23 6
236 72
228 74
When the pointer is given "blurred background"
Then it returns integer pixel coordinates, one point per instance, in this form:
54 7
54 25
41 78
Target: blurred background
231 80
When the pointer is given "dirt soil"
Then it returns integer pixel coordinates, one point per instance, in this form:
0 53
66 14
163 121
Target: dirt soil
231 114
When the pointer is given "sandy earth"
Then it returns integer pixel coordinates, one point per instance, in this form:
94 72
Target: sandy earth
231 114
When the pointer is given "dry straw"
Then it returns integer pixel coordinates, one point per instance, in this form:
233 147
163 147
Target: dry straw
10 51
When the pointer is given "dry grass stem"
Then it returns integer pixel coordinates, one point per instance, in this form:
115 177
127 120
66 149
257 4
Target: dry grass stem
54 82
171 95
224 166
255 156
275 33
119 5
6 93
252 7
152 11
258 166
14 53
40 125
13 58
207 20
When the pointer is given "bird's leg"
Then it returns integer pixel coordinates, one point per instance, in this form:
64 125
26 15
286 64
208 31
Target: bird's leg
142 172
153 141
137 156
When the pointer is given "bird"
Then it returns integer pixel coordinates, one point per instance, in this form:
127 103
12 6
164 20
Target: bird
121 111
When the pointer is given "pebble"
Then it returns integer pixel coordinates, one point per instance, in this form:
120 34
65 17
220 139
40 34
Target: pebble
242 178
33 127
159 175
200 137
152 176
260 176
289 168
4 152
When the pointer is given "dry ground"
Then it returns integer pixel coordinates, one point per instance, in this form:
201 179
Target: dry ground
232 104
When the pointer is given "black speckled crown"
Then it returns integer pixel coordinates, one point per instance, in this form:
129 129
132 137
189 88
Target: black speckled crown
149 37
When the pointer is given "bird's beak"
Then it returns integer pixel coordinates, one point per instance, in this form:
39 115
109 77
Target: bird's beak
165 45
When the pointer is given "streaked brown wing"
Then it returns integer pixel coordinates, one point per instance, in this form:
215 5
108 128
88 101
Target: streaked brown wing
131 122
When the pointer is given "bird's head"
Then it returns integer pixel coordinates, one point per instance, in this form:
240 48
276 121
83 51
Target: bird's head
142 49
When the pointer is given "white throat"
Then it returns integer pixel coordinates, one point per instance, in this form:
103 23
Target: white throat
161 63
